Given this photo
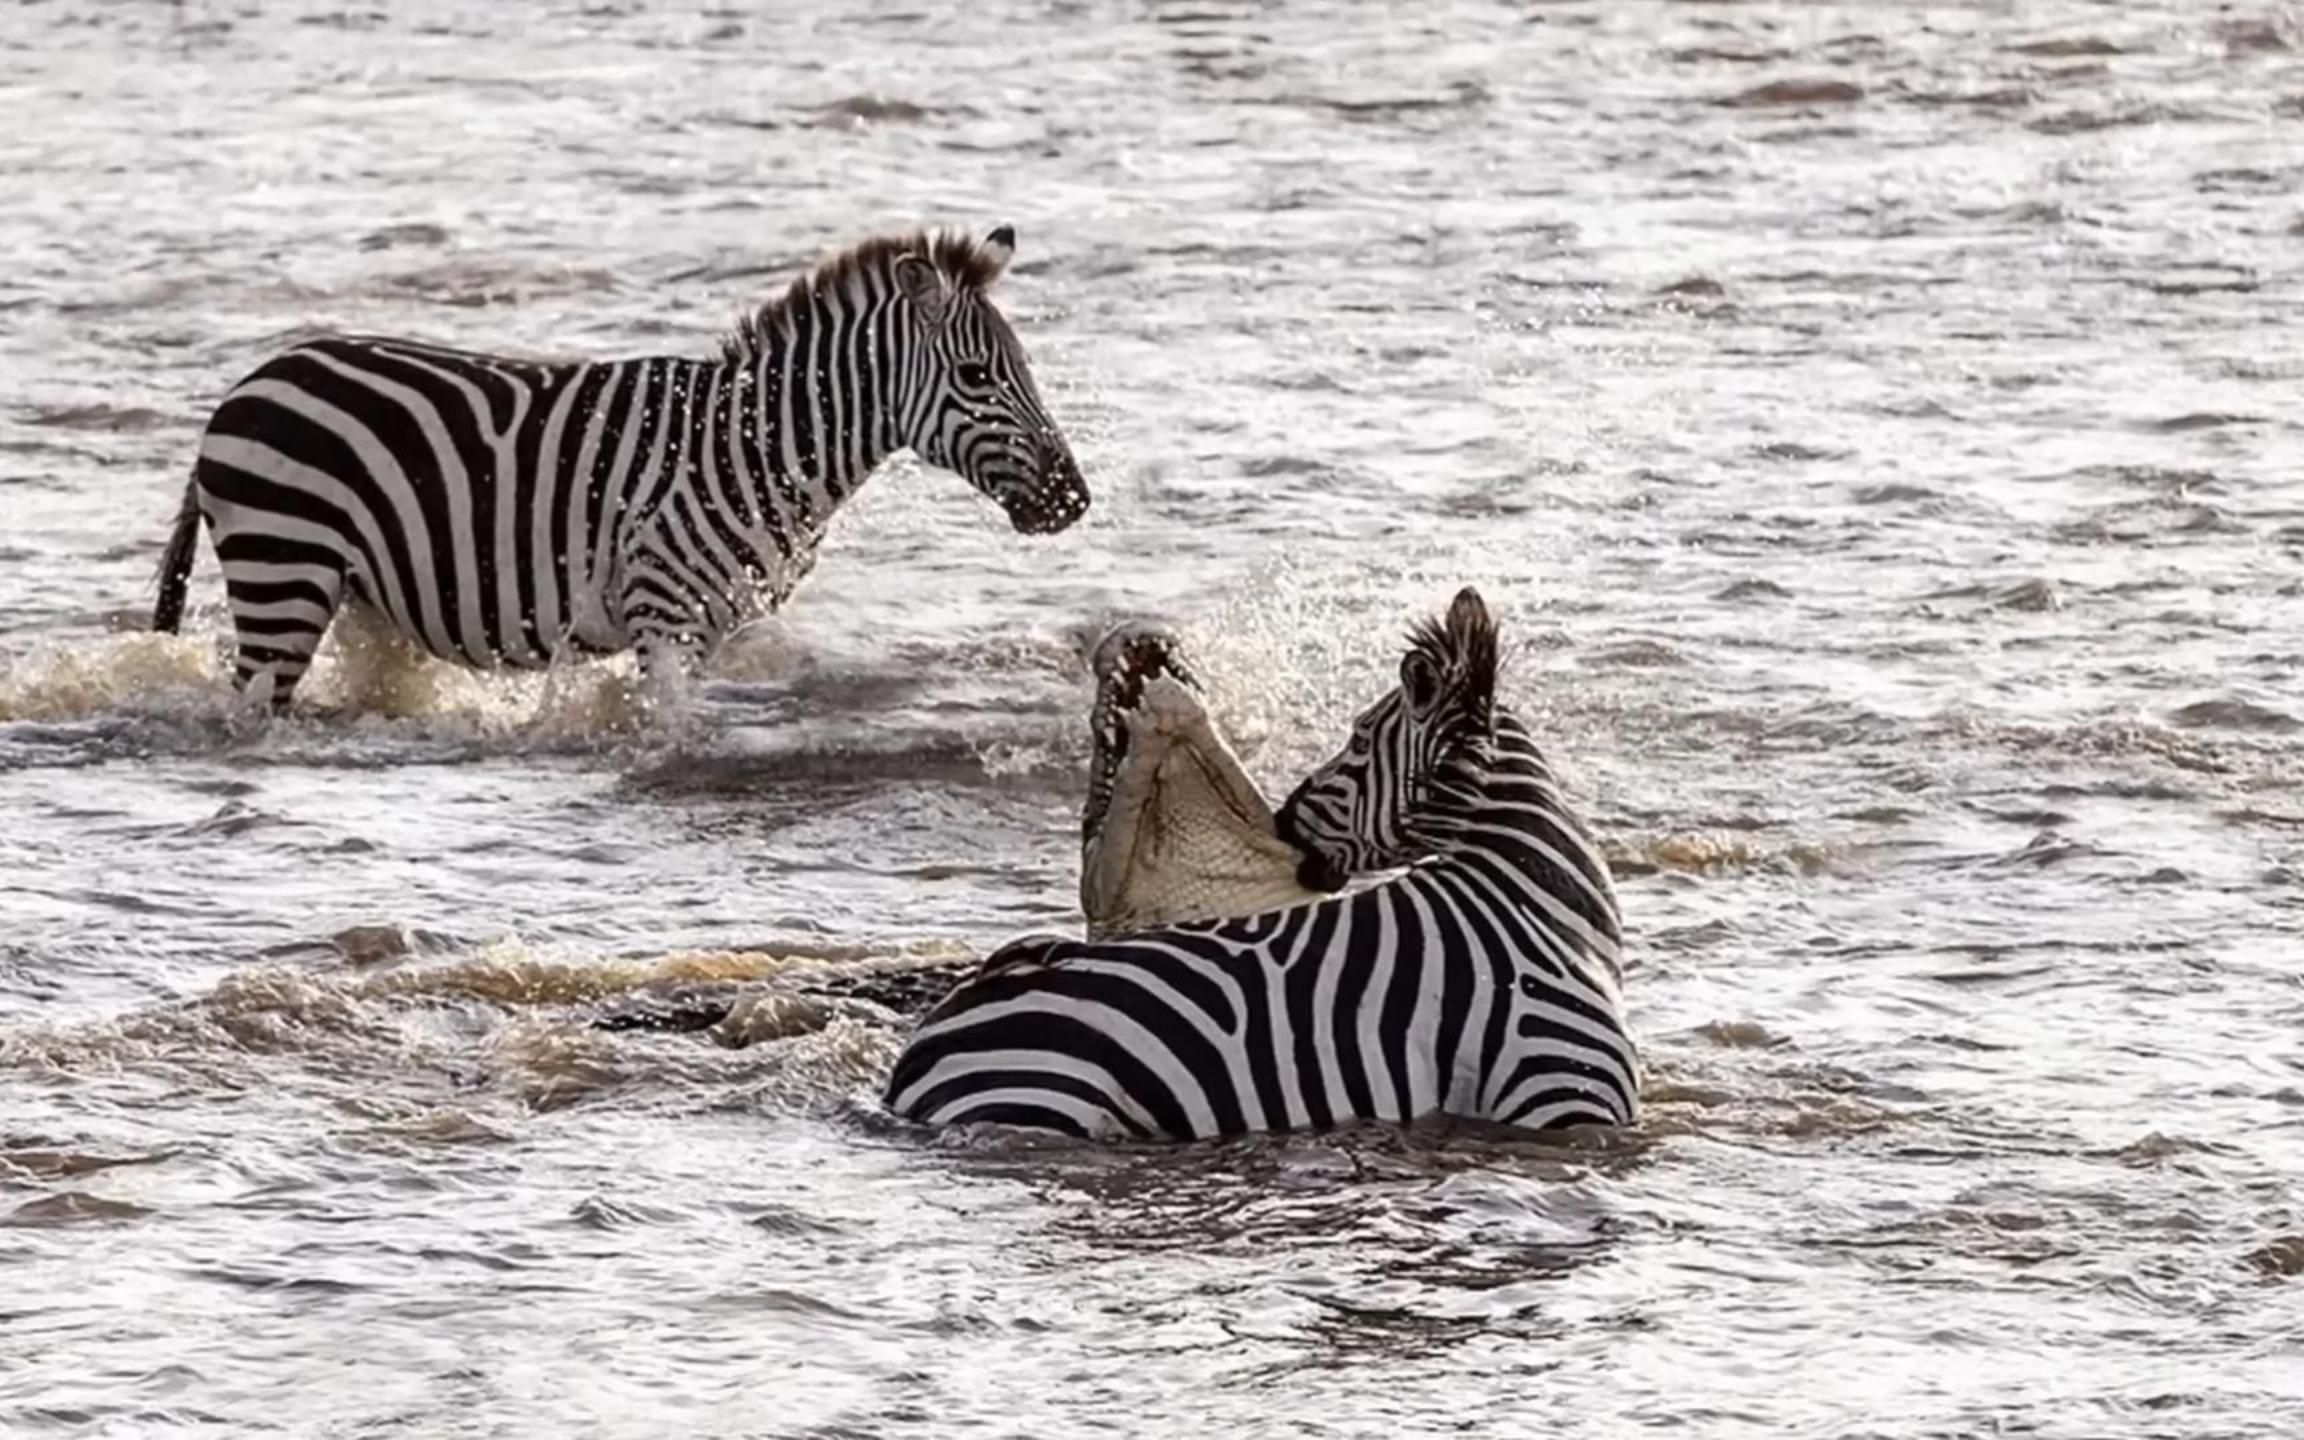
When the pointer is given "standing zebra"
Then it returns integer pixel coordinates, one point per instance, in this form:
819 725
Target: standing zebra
1483 982
509 512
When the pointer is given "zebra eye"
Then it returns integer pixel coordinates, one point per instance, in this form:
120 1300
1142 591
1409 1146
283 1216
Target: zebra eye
975 376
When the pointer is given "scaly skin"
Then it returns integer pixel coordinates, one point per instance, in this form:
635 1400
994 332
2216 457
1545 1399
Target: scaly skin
1173 830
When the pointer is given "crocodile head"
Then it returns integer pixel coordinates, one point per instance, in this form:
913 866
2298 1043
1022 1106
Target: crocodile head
1173 829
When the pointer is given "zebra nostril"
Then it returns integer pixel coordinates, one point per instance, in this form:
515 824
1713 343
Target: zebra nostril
1062 497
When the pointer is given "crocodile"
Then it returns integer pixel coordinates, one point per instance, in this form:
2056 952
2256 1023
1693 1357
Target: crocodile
1173 829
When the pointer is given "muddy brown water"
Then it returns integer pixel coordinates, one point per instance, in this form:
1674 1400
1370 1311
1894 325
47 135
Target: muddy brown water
1877 425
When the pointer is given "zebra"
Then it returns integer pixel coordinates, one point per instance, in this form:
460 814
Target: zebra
1485 981
508 512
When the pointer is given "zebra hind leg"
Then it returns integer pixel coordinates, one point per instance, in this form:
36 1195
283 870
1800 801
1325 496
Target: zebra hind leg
280 609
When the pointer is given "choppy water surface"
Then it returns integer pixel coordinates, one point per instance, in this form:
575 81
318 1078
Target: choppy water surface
1877 422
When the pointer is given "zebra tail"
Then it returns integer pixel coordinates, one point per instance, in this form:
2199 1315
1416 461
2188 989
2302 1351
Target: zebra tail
176 563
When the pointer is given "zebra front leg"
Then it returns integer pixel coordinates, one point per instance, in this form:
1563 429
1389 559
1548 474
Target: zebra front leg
670 662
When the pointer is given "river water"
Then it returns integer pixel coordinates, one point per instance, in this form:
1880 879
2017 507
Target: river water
1875 424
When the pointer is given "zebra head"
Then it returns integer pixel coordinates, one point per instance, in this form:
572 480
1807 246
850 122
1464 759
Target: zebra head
1364 810
973 408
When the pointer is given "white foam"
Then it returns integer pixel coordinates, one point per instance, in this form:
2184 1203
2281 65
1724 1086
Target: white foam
74 679
362 669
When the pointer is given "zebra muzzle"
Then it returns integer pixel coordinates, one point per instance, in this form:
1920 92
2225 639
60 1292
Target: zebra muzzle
1055 501
1314 870
1317 872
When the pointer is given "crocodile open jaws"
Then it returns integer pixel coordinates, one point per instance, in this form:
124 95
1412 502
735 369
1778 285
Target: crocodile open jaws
1173 829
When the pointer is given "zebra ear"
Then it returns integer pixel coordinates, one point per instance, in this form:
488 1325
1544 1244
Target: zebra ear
1472 641
998 249
1468 615
1419 682
923 284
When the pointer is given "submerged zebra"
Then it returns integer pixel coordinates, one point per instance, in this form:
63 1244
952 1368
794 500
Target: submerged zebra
1485 981
509 512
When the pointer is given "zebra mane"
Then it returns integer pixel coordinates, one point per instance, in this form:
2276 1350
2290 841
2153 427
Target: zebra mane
1465 650
964 260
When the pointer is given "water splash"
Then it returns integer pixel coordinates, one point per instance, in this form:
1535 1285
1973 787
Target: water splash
63 680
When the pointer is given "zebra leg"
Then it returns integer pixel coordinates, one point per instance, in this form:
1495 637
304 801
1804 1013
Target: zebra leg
282 597
669 665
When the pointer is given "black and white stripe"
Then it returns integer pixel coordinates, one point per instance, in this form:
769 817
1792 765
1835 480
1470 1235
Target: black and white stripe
1483 982
510 512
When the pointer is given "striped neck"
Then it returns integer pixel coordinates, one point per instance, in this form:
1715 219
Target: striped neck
1499 809
822 392
1502 768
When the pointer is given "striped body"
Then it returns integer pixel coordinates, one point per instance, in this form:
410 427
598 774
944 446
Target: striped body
505 512
1484 982
496 512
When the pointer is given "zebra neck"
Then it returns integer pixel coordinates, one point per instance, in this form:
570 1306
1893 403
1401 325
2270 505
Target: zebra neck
1483 799
1503 811
820 405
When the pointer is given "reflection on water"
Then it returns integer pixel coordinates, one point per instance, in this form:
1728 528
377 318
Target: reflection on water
1876 422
